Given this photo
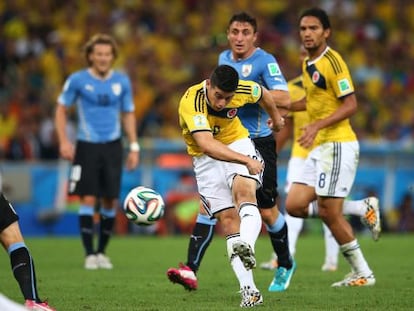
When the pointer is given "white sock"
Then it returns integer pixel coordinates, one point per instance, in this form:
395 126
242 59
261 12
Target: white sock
313 209
295 226
245 277
250 223
331 246
353 254
356 208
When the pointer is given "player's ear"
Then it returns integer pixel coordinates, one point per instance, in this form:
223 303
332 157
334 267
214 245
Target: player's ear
327 33
255 35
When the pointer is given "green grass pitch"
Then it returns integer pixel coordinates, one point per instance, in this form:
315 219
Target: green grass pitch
138 280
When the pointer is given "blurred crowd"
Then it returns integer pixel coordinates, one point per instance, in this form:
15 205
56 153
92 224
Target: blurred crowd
165 46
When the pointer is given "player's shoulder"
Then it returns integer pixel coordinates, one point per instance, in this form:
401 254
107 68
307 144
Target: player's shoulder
225 56
120 75
80 74
263 55
248 88
334 59
194 92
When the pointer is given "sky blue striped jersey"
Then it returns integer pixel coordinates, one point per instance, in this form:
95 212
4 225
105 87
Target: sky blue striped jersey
262 68
99 104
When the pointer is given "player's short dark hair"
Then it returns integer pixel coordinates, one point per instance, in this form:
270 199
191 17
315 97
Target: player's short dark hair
225 78
243 17
100 38
319 14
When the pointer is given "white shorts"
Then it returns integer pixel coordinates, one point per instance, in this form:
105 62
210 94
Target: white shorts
215 178
294 171
331 168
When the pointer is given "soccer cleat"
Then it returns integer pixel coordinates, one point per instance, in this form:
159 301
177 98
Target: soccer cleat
282 278
91 262
103 261
372 217
245 252
184 276
353 279
38 306
329 267
250 297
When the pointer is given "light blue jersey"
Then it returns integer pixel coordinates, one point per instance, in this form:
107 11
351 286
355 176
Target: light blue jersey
99 104
262 68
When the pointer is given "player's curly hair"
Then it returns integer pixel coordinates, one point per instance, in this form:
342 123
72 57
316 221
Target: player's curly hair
225 78
100 38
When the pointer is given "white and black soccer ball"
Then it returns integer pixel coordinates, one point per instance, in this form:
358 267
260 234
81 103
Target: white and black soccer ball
143 206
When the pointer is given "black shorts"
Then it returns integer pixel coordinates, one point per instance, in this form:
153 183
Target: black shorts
267 194
7 213
97 169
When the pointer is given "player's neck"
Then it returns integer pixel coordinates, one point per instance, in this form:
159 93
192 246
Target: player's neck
99 74
314 54
242 56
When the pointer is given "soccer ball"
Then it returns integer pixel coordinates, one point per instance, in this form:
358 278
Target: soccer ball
143 206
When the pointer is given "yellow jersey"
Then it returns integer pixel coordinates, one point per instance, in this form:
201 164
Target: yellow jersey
326 80
195 114
300 118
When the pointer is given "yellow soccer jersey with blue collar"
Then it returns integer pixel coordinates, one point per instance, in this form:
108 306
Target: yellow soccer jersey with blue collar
195 114
300 118
326 80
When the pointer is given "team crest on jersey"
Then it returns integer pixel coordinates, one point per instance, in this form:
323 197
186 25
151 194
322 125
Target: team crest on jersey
246 70
89 87
200 120
344 85
232 113
315 76
116 88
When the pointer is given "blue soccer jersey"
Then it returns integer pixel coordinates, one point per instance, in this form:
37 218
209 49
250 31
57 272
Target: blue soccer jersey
99 104
262 68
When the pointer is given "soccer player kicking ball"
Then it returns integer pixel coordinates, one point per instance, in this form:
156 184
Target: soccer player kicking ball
227 167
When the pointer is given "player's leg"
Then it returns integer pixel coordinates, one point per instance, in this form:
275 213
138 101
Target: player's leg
295 226
331 189
367 209
331 250
111 162
210 181
20 259
84 178
241 250
200 239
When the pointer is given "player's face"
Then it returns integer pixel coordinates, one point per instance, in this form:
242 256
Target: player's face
242 38
217 98
101 58
313 35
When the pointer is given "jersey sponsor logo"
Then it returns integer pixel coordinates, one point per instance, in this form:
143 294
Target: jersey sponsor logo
200 120
232 113
315 76
344 85
116 88
246 70
274 69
